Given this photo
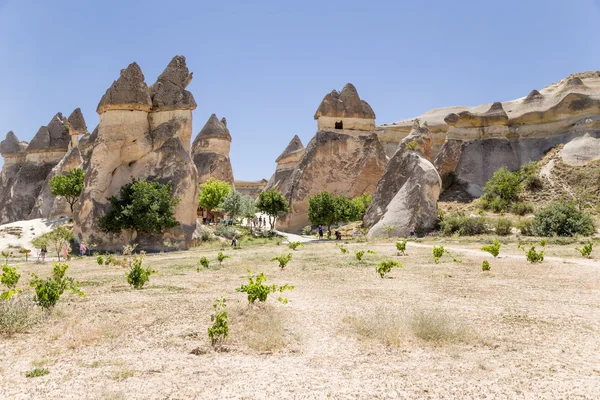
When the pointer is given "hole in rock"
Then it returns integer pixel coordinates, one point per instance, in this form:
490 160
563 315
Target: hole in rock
339 125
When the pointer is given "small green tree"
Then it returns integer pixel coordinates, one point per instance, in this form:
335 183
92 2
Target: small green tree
49 291
257 290
493 249
9 278
383 268
233 204
562 219
361 203
501 190
359 254
204 262
219 330
249 210
221 257
326 209
212 193
68 186
273 204
57 239
586 251
401 246
485 265
295 245
138 275
283 259
146 207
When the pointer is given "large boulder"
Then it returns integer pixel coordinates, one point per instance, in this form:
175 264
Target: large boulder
210 151
581 150
414 205
340 163
139 138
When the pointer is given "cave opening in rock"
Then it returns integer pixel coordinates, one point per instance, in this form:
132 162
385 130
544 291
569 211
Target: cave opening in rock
339 125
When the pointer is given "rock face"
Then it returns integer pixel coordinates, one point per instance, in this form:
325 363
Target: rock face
415 203
210 151
24 172
581 150
345 110
250 188
474 142
140 137
287 162
398 171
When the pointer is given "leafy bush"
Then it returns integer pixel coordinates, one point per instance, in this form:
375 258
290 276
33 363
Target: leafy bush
283 259
100 260
493 249
9 278
48 292
295 245
501 190
68 186
439 251
219 330
343 249
138 275
485 266
204 262
562 219
463 225
586 251
361 203
307 230
359 254
17 315
383 268
221 257
521 208
526 227
533 183
256 290
401 246
212 193
532 255
388 229
144 206
225 231
34 373
503 226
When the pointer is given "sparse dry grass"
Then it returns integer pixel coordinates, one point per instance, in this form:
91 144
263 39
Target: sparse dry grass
260 327
381 326
439 328
18 315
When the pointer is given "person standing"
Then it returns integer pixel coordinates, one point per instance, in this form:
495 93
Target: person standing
43 253
320 232
234 241
82 248
260 221
66 250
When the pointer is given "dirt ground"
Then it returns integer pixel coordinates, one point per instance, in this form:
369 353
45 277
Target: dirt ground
438 331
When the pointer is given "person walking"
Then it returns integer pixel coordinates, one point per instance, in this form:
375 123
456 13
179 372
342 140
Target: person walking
320 232
412 230
234 241
43 253
82 248
66 251
260 221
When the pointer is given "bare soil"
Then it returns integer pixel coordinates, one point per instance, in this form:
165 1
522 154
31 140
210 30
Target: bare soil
428 330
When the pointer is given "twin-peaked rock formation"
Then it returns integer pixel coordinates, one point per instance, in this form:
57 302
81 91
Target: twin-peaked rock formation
28 168
210 151
345 157
144 133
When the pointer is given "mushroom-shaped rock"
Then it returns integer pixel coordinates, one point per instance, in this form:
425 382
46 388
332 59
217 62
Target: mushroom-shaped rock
77 122
452 119
129 92
294 146
210 151
168 92
346 104
213 129
534 95
10 145
574 81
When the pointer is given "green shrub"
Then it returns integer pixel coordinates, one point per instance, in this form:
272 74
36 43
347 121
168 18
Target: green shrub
532 255
9 278
138 275
204 262
485 266
503 226
256 290
295 245
17 315
221 257
521 208
401 246
586 251
100 260
34 373
219 330
226 231
562 219
493 249
463 225
48 292
343 249
501 190
283 259
533 183
385 267
439 251
412 145
359 254
526 227
307 230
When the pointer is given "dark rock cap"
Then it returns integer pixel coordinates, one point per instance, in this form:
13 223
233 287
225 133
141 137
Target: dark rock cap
346 104
129 92
10 145
496 111
294 145
168 92
213 129
534 95
77 122
53 136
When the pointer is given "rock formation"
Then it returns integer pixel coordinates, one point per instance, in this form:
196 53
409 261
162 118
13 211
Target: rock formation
581 150
142 135
250 188
474 142
287 162
344 158
25 172
210 151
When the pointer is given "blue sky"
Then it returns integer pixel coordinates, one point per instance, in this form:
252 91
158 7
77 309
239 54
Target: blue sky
266 65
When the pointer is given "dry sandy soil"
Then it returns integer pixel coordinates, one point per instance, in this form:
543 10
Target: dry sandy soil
429 330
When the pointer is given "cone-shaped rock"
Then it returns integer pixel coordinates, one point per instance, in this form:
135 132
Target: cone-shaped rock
168 93
129 92
294 145
210 151
286 163
213 129
77 122
11 144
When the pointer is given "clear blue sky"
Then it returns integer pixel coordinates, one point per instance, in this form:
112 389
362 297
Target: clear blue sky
266 65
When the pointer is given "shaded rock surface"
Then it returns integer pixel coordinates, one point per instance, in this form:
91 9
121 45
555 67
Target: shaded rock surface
77 122
11 144
342 164
53 136
413 205
129 92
